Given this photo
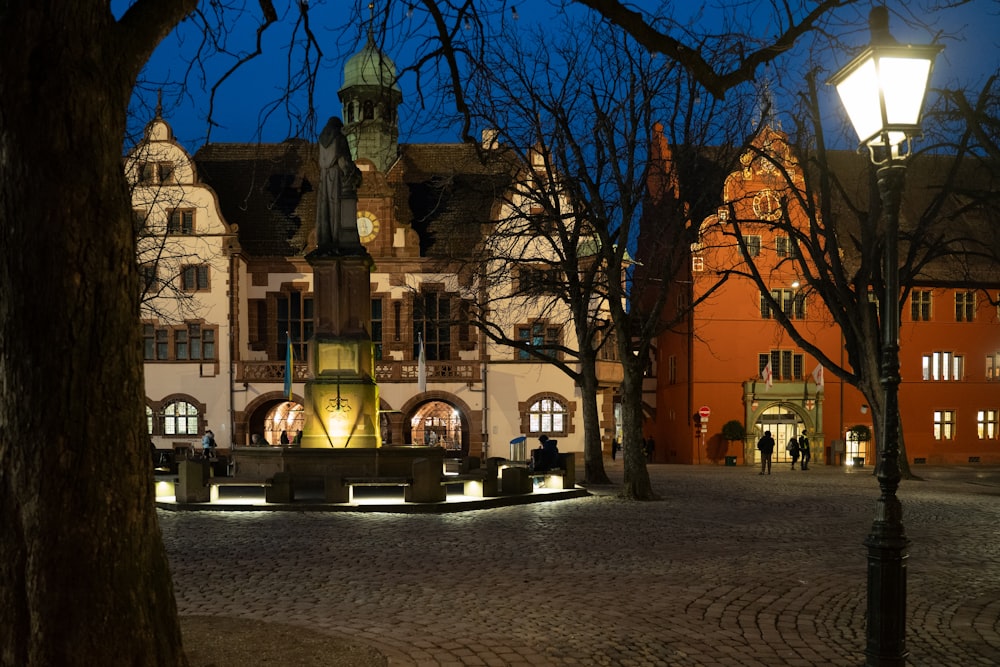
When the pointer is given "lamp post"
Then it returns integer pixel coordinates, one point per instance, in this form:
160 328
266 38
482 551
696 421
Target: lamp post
883 91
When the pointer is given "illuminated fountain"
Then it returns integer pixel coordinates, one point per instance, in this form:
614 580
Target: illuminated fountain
341 393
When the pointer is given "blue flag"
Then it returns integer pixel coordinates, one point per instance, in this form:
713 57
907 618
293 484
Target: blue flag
289 368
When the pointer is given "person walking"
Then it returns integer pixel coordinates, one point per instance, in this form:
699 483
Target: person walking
208 444
614 448
804 451
766 447
793 449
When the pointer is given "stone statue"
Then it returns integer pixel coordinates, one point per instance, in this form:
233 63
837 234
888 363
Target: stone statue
339 177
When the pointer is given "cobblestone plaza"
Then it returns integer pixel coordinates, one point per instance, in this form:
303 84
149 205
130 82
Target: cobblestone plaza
729 568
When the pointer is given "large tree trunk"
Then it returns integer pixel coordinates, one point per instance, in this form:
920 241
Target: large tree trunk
637 484
593 452
84 577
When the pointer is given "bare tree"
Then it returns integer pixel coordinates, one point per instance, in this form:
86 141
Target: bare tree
578 122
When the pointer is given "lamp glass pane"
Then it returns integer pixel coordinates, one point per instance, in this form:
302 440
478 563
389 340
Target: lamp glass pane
904 82
859 93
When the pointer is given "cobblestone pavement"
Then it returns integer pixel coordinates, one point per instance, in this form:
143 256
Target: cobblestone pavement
729 568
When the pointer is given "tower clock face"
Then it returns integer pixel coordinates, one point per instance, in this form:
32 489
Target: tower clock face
367 226
767 206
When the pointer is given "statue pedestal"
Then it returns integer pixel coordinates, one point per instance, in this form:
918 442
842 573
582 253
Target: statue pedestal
341 395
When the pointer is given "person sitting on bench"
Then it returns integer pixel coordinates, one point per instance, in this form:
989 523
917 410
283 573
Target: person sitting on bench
545 457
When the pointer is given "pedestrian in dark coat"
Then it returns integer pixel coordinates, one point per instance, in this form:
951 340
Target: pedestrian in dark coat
793 450
766 447
804 451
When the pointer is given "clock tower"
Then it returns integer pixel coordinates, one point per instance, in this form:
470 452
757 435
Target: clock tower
370 97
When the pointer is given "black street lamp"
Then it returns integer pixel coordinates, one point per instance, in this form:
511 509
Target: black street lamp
883 91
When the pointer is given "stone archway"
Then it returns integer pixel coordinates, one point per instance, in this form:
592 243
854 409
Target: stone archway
267 416
440 418
784 419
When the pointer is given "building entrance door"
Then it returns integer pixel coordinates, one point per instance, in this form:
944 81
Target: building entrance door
784 425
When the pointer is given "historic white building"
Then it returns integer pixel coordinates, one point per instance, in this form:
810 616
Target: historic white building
226 232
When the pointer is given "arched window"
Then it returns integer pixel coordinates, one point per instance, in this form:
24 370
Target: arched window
180 418
548 416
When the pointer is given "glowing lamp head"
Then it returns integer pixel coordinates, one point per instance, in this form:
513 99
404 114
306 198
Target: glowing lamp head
884 87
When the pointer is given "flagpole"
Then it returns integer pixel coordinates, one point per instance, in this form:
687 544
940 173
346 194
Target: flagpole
421 366
289 366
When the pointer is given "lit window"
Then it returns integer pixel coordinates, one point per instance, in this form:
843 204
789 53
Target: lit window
943 366
180 418
697 264
944 424
993 366
987 424
547 416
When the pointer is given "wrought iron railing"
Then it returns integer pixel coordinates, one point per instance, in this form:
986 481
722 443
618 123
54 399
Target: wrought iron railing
385 371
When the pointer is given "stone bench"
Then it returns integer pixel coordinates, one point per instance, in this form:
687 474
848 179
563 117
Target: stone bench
423 485
352 482
215 482
502 477
549 479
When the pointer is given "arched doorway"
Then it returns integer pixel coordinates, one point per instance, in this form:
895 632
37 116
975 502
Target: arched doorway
784 422
273 418
438 423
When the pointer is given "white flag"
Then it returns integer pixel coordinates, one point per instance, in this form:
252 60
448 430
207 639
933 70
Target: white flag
421 367
765 374
818 376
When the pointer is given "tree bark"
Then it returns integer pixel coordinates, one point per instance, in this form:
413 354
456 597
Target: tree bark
84 577
637 485
593 452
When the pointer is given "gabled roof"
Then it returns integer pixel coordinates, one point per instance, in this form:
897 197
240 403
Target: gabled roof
445 191
267 190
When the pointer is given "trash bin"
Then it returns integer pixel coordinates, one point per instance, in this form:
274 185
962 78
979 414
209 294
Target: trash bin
730 460
859 462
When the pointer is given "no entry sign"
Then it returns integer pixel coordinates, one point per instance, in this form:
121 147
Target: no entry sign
704 412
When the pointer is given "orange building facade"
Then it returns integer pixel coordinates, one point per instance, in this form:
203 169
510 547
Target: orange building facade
718 361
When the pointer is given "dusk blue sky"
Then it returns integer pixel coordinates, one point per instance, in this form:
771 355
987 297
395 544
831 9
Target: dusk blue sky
971 53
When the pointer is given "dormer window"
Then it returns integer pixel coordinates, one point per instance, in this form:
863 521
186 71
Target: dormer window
181 221
165 171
